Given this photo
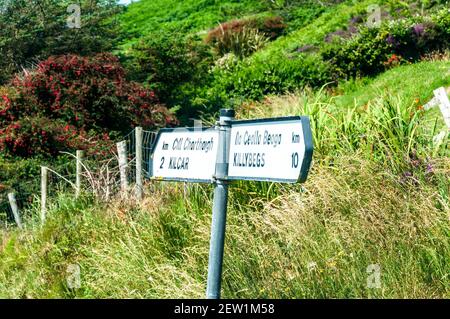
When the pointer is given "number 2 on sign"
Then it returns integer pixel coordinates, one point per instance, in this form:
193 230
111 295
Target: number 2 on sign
162 163
295 160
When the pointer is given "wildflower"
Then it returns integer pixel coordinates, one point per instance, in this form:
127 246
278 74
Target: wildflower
331 264
429 168
391 40
6 99
418 29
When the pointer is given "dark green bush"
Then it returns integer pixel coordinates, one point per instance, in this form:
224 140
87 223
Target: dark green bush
255 80
243 37
173 66
34 30
362 55
374 49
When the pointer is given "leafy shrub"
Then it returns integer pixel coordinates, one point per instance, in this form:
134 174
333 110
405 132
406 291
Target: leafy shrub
273 27
165 61
250 80
71 102
226 62
34 30
375 49
361 55
243 37
13 173
173 66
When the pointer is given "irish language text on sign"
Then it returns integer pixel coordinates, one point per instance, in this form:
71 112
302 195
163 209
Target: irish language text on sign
270 149
185 155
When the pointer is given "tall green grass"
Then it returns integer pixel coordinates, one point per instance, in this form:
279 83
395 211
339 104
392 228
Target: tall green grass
413 83
311 242
377 194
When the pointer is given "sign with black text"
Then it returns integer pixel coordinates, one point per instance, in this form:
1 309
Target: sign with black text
278 149
274 149
185 154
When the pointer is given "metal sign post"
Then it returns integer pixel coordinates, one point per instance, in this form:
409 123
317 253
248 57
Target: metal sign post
219 207
277 150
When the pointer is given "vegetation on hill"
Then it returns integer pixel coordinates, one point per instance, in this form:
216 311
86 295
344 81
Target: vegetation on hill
34 30
69 103
368 201
190 16
377 194
336 46
278 52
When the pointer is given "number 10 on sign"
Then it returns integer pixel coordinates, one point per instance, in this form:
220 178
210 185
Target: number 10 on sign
277 149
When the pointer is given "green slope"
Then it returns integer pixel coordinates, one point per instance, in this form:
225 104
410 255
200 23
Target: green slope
414 83
279 67
314 241
148 16
366 202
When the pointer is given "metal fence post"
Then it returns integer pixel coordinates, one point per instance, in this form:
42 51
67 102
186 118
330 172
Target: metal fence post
219 207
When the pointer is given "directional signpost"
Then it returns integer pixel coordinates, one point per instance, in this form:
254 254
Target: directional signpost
185 155
277 150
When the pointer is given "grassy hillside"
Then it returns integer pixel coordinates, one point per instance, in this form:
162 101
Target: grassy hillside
377 195
304 57
311 242
366 202
320 43
164 16
414 83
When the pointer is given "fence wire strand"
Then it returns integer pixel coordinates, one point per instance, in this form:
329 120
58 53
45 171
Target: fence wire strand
100 177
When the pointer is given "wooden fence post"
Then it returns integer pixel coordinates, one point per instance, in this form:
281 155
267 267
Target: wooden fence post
78 173
44 175
15 209
123 165
107 183
139 181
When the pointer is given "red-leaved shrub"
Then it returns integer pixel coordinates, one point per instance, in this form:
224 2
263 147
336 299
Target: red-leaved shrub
70 102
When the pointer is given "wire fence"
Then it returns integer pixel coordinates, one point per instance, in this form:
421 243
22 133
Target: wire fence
23 200
148 142
99 176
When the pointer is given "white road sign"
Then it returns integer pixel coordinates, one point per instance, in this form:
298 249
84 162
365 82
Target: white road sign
277 149
444 104
185 155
